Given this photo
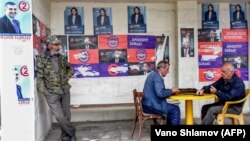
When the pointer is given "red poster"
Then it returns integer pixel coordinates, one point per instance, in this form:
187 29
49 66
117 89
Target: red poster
112 41
83 56
208 48
141 55
234 35
42 30
209 74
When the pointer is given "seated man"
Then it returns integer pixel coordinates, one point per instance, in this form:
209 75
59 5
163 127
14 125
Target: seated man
155 94
228 88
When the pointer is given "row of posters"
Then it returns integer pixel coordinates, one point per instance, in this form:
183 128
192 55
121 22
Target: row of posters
17 77
213 51
103 20
114 55
211 16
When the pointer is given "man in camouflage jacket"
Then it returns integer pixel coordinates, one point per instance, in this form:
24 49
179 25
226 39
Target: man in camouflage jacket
53 74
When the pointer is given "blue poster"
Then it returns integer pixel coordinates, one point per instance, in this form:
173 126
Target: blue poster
74 20
210 16
235 48
85 70
238 16
137 19
15 18
102 18
22 79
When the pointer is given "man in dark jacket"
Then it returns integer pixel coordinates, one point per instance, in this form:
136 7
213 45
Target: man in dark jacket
228 88
155 94
53 74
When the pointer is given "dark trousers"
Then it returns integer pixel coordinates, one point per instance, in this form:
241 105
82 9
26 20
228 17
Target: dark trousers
60 107
171 113
209 112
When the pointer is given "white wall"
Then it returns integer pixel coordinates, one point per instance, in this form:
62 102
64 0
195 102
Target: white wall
43 119
162 18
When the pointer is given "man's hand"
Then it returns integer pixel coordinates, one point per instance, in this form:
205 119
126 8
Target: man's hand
175 90
200 92
213 90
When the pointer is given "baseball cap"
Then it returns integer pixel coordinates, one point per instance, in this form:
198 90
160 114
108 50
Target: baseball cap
53 40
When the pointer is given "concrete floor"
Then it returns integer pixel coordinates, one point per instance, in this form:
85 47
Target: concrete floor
112 130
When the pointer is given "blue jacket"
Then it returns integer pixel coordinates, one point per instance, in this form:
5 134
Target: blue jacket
232 90
155 93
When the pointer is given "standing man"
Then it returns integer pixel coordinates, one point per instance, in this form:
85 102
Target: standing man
8 23
155 94
228 88
53 74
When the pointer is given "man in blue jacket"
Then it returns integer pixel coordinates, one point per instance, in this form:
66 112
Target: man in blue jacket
228 88
155 94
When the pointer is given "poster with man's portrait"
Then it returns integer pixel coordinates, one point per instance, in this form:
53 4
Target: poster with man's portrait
137 19
238 15
22 79
83 42
102 18
15 17
74 20
210 16
187 42
209 35
113 56
64 47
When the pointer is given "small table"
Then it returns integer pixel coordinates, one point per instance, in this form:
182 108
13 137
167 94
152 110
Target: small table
189 103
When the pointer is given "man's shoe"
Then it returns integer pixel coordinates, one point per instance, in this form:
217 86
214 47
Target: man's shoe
64 137
73 138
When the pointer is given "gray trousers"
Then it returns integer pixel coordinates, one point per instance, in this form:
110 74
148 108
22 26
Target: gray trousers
209 112
60 107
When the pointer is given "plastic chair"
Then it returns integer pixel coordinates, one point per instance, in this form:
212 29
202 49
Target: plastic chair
233 117
140 115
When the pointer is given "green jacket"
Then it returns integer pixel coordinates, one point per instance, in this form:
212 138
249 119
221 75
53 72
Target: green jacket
50 80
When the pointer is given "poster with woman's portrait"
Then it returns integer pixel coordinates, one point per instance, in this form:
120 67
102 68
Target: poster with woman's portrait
238 16
210 16
102 18
137 19
74 20
187 42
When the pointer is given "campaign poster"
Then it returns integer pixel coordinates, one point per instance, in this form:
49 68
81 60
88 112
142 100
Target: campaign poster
187 42
238 15
162 48
113 56
113 69
235 35
209 35
141 68
113 41
209 74
141 55
102 19
85 70
74 20
240 63
83 42
210 55
137 19
64 45
13 18
210 16
141 41
235 48
80 56
22 79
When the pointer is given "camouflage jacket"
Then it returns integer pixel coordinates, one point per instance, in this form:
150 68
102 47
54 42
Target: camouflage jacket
50 80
